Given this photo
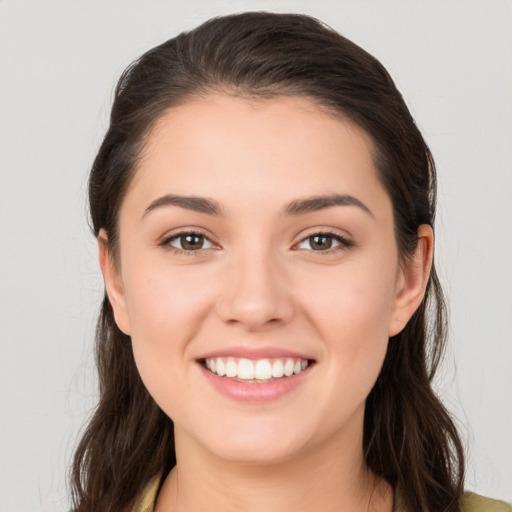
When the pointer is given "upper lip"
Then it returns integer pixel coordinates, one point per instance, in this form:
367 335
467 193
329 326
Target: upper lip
254 353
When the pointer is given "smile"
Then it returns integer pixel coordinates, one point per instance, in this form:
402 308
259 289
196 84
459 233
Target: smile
257 371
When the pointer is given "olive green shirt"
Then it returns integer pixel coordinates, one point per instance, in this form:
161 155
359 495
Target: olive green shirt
470 502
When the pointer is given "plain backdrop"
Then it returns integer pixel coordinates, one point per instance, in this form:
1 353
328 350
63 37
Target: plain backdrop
59 61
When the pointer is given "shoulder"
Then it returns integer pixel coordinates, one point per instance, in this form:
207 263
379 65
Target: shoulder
472 502
146 501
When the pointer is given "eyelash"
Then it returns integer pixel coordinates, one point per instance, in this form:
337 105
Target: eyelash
167 241
344 243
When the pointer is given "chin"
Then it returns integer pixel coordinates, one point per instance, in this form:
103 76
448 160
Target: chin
258 453
256 444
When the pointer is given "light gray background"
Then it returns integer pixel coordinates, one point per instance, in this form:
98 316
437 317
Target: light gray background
58 65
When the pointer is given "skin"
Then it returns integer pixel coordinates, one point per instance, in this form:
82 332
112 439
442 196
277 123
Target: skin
260 282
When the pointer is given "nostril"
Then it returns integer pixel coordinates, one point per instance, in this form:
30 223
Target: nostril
255 312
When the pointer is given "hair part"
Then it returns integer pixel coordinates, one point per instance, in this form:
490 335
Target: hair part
409 438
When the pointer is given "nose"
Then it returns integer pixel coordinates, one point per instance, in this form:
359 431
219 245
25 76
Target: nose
256 293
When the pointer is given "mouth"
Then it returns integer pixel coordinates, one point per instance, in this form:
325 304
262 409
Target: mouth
258 371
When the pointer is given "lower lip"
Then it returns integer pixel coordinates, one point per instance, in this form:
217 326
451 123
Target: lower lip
253 391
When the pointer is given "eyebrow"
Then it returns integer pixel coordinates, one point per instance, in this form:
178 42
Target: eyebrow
315 203
296 207
196 204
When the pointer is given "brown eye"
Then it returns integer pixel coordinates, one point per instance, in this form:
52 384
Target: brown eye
320 242
191 242
188 242
324 241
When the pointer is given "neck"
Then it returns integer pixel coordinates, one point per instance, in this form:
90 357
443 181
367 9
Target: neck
311 482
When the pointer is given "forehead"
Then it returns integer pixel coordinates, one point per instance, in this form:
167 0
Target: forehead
251 120
258 149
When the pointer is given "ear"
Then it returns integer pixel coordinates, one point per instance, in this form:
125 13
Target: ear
113 283
412 281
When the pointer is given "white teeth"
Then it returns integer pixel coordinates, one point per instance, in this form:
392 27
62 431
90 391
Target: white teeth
231 368
260 370
288 367
245 369
263 370
278 368
220 367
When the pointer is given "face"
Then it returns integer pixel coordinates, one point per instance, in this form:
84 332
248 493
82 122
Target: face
258 276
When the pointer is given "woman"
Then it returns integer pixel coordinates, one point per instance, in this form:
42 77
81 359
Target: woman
264 209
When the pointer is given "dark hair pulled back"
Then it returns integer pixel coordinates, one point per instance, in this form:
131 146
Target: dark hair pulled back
409 437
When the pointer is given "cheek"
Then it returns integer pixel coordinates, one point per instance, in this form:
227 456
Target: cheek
353 302
166 308
164 301
351 311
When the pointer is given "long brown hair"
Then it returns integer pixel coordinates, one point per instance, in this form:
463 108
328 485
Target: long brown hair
409 438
